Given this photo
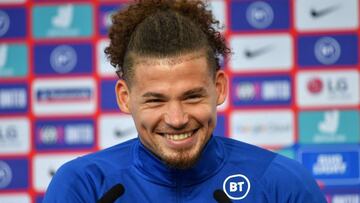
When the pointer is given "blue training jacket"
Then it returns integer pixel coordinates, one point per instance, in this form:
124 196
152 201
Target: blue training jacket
230 170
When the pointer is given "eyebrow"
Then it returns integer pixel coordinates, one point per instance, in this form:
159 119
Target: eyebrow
198 90
153 94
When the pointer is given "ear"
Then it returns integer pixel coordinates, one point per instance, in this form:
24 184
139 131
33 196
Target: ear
123 96
221 84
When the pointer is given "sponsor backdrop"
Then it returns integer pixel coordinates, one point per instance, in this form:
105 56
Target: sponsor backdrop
294 87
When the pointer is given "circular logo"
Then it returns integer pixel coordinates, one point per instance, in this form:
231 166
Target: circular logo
236 187
107 19
315 86
49 134
63 59
5 174
4 23
246 91
327 50
260 14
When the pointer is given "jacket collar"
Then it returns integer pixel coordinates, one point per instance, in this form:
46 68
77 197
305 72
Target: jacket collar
211 161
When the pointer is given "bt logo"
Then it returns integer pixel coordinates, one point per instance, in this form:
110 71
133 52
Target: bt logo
236 186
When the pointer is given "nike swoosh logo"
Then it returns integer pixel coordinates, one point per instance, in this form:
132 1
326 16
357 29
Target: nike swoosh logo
317 13
257 52
52 172
123 132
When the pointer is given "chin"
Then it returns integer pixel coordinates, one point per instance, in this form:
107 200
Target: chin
182 159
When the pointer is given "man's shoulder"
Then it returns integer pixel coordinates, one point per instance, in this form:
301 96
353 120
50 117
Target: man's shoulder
284 174
121 153
260 158
116 157
284 177
87 173
284 170
245 157
238 151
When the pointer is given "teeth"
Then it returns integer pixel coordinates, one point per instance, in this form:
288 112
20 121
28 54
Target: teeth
178 137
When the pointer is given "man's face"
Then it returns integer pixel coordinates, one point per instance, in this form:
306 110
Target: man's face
173 103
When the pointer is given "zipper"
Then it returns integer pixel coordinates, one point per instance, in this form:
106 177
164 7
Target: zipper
178 186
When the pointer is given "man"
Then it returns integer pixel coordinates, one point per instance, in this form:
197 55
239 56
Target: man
167 54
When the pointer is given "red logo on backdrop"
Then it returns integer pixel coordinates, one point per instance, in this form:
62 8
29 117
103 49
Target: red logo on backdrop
315 86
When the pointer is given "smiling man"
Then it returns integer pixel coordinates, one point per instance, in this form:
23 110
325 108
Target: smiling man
174 109
167 56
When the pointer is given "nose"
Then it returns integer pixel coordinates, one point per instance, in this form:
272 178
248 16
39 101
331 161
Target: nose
175 116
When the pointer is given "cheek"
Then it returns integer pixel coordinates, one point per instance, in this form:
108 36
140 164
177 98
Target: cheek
145 120
204 113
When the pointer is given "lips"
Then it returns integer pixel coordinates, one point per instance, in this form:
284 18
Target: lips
178 140
178 137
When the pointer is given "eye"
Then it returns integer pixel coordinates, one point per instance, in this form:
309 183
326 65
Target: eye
194 97
153 101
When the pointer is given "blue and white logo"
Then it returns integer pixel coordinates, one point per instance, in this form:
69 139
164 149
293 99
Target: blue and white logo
13 98
236 186
4 23
332 164
260 14
3 55
64 17
63 59
327 50
5 174
261 90
64 134
49 135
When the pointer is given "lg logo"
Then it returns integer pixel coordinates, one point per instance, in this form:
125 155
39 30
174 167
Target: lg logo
236 187
315 86
339 85
334 86
8 133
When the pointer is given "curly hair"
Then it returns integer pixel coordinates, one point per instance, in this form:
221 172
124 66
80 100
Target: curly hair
163 28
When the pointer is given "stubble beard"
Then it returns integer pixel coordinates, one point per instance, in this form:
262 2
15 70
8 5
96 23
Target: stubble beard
181 158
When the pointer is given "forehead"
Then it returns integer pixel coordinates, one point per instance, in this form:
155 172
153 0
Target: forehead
184 62
171 71
167 61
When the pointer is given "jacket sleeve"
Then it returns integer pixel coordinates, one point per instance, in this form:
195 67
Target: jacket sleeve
71 184
290 182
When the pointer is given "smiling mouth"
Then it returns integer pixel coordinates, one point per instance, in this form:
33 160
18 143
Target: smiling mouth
179 136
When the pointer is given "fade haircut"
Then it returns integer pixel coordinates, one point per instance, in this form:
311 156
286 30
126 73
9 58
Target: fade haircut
163 28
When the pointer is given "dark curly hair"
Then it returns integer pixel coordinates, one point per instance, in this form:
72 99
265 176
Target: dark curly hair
163 28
